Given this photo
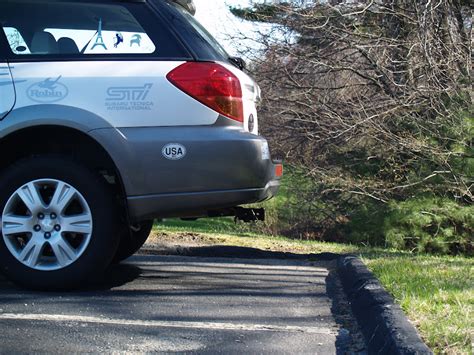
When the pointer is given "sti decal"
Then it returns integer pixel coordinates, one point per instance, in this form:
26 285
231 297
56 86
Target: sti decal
129 98
174 151
47 91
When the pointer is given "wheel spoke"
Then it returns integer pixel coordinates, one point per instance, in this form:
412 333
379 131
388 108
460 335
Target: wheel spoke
15 224
64 253
81 224
31 253
31 198
63 195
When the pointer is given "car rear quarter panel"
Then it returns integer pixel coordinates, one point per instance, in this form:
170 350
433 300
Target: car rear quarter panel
122 93
7 90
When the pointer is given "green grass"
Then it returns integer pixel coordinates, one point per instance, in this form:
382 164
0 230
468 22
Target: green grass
436 292
224 231
203 225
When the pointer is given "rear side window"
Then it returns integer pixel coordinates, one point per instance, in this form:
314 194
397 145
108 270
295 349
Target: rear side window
196 37
206 36
85 29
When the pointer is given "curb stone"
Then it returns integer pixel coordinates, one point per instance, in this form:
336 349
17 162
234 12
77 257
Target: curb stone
383 323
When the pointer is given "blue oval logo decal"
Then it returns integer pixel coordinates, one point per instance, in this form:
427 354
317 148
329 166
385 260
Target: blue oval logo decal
47 91
174 151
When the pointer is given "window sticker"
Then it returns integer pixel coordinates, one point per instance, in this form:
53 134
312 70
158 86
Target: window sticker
135 43
99 41
119 39
136 39
16 41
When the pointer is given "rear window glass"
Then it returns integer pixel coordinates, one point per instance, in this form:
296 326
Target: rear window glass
86 29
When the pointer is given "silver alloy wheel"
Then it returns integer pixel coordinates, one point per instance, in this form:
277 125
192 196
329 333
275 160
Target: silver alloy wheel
46 224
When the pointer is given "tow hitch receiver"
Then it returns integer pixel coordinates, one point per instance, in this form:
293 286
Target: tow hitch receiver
240 213
249 214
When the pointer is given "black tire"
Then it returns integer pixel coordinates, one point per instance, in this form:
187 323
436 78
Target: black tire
132 239
103 243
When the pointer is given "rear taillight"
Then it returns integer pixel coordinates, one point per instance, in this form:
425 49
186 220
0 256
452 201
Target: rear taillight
211 84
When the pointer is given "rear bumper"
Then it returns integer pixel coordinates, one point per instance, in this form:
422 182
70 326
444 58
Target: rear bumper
196 204
224 166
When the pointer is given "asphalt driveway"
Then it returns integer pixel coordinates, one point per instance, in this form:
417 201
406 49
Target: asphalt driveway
186 304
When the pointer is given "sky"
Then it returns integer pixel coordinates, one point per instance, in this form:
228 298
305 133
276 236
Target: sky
219 21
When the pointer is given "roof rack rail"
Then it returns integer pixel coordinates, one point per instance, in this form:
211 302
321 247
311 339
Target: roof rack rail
188 5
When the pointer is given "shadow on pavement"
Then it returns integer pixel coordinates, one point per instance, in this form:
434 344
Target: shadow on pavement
115 276
349 335
224 251
120 274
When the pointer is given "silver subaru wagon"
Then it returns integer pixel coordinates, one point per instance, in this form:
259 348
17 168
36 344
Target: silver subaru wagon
112 114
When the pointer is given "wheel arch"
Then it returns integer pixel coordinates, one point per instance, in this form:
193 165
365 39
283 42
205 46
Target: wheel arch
62 140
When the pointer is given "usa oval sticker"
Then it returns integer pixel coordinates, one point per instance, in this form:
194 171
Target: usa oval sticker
174 151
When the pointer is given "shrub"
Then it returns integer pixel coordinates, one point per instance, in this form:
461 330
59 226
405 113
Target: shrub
428 224
433 225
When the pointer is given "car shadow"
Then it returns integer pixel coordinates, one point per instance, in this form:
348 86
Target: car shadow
121 274
226 251
115 276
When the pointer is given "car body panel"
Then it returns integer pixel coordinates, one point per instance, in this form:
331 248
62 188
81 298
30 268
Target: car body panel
50 115
124 94
7 90
250 97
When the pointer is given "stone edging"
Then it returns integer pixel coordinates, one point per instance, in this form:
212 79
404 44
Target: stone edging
382 321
